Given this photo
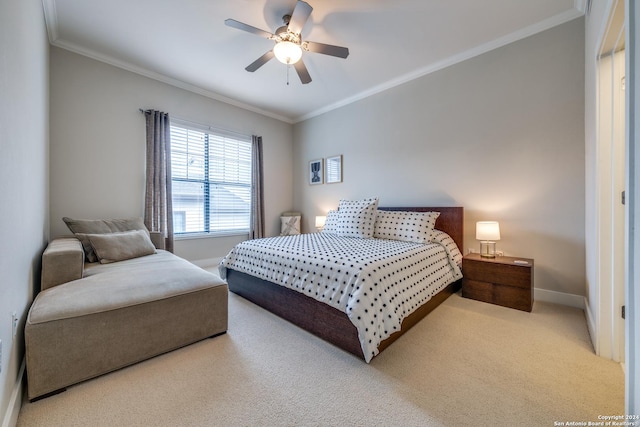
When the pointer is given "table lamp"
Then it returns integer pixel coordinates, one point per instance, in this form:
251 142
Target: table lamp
487 232
320 220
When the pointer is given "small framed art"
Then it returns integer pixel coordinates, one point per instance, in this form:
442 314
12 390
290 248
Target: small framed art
316 172
333 169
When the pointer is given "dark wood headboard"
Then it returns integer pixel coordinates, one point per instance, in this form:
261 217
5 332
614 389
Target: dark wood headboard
451 220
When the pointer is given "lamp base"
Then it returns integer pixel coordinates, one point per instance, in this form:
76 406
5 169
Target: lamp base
488 249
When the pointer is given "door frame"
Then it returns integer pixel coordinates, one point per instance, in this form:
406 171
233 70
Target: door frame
611 254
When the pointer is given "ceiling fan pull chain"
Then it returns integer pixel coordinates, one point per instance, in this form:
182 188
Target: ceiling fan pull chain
288 66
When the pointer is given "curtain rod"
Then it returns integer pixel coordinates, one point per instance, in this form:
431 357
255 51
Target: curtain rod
209 127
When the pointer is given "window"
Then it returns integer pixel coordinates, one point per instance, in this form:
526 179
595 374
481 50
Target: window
211 180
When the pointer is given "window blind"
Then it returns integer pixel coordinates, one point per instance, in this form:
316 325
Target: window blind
211 180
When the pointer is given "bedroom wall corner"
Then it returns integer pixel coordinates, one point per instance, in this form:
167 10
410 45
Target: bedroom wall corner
24 189
97 169
501 134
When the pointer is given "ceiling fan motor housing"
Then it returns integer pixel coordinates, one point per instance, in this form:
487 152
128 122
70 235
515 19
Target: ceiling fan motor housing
289 44
284 34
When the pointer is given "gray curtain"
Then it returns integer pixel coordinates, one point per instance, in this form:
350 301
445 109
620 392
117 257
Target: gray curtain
256 228
158 209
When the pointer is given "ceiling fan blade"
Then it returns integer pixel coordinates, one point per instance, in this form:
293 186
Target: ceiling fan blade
299 17
248 28
326 49
260 62
301 69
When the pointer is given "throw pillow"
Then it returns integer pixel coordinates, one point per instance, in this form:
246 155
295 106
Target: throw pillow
81 227
357 218
416 227
289 225
331 223
112 247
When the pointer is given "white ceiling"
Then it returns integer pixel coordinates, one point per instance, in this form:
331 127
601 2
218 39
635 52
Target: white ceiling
187 44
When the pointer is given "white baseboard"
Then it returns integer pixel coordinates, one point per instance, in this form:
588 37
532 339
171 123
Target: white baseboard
591 325
15 402
571 300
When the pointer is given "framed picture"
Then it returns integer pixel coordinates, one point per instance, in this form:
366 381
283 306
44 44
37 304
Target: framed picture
333 169
316 172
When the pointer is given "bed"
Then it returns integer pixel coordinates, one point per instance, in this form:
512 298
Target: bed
323 312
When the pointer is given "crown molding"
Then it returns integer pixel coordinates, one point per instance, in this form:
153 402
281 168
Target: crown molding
582 6
452 60
51 22
166 79
51 19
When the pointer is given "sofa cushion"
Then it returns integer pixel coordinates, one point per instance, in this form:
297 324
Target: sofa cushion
82 227
120 246
108 287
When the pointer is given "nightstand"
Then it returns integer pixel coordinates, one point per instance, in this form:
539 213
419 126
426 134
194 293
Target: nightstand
499 280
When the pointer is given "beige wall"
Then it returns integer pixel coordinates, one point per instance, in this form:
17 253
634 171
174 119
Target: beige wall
98 144
24 218
501 134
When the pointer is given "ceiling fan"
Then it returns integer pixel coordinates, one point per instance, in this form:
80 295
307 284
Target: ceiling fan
289 44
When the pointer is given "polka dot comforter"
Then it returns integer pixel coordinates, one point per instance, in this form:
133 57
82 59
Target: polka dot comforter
376 282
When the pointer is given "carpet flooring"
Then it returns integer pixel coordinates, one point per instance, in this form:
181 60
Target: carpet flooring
466 364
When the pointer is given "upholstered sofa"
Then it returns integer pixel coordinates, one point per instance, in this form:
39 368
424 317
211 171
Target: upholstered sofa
91 318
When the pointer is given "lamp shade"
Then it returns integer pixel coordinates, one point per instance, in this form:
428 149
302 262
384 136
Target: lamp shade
287 52
487 230
320 220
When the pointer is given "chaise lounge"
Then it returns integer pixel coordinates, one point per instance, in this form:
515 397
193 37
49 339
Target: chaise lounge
92 318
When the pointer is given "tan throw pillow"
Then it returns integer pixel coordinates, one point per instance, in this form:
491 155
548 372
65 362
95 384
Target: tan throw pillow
289 225
114 247
82 227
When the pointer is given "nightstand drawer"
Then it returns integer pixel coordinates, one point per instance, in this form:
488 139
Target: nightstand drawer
504 295
503 274
499 280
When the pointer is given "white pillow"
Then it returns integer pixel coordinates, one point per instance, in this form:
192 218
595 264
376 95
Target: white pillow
357 218
289 225
416 227
331 223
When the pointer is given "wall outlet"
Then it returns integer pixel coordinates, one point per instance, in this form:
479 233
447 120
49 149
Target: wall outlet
14 324
472 251
499 253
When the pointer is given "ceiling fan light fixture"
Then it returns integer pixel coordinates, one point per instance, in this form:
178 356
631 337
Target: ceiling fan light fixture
288 42
287 52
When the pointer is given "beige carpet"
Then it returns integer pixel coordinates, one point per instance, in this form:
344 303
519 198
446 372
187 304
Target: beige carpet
467 363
